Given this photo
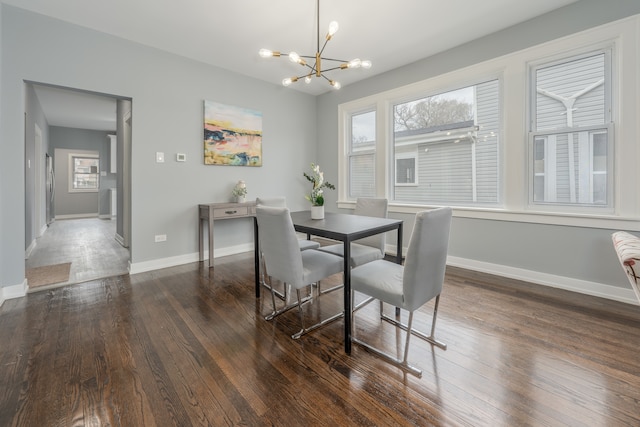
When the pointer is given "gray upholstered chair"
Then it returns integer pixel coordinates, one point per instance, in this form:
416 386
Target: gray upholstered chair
370 248
284 261
410 286
280 202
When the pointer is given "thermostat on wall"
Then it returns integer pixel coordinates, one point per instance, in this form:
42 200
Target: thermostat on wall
181 157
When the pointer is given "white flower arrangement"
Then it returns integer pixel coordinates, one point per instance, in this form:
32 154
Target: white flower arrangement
317 179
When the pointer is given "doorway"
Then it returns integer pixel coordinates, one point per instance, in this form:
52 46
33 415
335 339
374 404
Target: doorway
95 244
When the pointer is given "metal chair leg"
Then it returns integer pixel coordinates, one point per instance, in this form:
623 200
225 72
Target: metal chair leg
287 307
401 363
263 279
429 338
304 330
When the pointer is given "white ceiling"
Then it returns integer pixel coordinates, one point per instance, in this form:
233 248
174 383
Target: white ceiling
228 34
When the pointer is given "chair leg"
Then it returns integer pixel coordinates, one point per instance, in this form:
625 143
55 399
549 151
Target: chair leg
400 363
286 308
263 279
429 338
326 291
324 322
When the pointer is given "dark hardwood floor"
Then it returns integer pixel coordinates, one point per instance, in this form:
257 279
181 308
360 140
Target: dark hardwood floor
189 346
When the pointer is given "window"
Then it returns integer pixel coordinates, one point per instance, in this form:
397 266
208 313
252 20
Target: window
84 172
361 153
446 147
571 132
406 168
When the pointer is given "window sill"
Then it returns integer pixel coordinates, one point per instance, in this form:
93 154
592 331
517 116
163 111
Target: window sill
611 222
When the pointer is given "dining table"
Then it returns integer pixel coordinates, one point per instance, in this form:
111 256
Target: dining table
347 228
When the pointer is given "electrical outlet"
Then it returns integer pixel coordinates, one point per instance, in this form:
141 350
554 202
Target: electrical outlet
161 238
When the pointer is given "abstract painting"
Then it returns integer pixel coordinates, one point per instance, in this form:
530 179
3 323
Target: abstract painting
232 135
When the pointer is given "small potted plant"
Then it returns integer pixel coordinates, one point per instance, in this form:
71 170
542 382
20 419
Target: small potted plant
316 196
239 192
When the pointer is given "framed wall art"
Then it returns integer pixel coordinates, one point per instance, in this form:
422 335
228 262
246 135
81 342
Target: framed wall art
232 135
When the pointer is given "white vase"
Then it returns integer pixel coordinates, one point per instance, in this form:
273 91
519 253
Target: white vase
317 212
241 199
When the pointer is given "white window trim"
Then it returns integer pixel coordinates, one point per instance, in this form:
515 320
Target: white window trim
512 72
72 173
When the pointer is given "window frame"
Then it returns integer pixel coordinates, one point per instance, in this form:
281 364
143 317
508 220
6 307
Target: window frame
72 172
577 207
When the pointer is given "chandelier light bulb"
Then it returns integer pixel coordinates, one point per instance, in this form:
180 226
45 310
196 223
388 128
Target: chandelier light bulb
354 63
336 85
265 53
294 57
366 64
333 28
307 79
287 81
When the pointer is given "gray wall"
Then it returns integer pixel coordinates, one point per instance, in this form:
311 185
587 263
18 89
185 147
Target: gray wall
63 141
167 95
583 254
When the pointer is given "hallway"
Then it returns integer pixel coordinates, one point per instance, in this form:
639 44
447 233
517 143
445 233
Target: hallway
88 244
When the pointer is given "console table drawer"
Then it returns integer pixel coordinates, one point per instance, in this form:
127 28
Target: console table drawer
230 212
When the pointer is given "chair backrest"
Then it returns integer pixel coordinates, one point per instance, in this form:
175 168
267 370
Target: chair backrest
279 244
426 260
377 207
274 202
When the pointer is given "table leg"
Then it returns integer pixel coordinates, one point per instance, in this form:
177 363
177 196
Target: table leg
210 224
399 256
347 296
256 255
200 238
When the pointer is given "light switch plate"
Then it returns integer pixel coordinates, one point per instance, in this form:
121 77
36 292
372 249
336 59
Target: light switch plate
159 157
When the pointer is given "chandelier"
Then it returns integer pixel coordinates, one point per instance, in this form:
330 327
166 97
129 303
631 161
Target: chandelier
315 68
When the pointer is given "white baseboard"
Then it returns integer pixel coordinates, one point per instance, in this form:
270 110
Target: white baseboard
30 249
156 264
561 282
14 291
76 216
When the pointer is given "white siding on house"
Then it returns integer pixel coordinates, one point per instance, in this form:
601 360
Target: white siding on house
361 171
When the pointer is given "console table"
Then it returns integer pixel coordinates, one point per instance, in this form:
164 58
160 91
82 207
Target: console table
212 212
